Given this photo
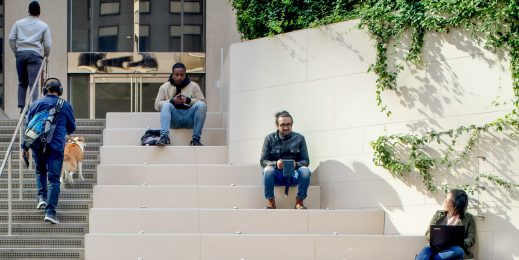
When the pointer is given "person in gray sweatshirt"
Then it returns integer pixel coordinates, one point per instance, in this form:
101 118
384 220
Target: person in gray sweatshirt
30 41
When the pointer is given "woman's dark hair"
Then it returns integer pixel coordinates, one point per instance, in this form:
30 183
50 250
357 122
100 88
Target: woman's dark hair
34 8
460 202
283 114
179 65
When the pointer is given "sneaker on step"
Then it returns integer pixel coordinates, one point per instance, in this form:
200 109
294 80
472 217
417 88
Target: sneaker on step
195 143
51 219
41 204
163 141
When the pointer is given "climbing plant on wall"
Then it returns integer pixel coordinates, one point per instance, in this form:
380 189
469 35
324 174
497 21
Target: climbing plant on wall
493 23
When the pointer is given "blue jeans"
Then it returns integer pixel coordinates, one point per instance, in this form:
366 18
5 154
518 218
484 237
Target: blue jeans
194 117
48 166
454 252
273 176
27 65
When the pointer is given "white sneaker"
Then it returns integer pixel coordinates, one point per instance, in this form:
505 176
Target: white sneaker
51 219
41 204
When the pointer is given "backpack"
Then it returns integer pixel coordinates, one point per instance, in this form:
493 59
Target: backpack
150 137
40 128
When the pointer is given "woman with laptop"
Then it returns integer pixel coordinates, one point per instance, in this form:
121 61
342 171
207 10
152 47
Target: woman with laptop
447 240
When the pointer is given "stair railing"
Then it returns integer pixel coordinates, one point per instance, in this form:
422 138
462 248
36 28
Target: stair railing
8 153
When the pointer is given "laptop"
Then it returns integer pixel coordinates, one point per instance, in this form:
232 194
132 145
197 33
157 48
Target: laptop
445 236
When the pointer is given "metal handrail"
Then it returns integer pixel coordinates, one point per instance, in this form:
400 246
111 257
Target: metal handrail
8 152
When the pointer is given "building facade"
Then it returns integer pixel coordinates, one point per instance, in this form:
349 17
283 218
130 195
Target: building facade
115 54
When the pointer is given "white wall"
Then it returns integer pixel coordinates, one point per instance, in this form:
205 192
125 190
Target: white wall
320 76
221 31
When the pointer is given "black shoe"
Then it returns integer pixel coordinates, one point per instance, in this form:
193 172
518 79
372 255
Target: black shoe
163 141
195 143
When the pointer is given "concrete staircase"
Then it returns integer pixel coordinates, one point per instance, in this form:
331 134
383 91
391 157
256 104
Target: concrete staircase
32 238
181 202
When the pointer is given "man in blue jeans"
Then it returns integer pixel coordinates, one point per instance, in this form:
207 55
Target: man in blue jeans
48 156
182 105
285 145
30 41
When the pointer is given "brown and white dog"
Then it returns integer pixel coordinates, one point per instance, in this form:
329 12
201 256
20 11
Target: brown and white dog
73 159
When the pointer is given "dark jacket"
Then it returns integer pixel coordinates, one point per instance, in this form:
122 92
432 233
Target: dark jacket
292 147
65 124
440 218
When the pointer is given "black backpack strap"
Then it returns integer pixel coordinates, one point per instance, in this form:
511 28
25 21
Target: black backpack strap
59 104
57 108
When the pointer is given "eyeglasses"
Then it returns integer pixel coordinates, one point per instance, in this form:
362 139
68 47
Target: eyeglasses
285 125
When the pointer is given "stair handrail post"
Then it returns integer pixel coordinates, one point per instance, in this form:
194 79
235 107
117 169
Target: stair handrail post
20 169
9 195
8 154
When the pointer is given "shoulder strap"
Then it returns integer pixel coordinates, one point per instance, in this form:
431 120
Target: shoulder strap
59 104
57 108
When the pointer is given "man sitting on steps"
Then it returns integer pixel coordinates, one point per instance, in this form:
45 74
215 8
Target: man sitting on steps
280 146
181 105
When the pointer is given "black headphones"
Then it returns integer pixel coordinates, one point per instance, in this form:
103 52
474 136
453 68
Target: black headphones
54 85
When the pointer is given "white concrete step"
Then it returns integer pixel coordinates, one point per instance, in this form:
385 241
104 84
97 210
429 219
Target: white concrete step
214 174
132 136
251 247
152 120
164 155
232 221
224 197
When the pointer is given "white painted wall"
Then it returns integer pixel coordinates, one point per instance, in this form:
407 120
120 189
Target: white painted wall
221 31
320 76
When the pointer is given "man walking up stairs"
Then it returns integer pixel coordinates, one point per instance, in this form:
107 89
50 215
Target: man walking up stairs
31 237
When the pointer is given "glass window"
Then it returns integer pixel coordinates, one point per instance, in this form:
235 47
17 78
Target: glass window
200 79
189 7
144 38
112 97
144 6
79 26
89 19
175 30
109 7
191 29
186 38
192 43
87 22
175 44
79 94
107 40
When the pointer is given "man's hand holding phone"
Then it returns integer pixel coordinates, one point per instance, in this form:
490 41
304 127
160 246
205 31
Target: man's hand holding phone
179 99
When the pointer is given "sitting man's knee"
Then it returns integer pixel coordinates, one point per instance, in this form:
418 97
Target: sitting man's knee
200 105
269 170
166 105
304 171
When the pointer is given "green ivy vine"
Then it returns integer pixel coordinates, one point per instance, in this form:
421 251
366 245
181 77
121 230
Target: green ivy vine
493 23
